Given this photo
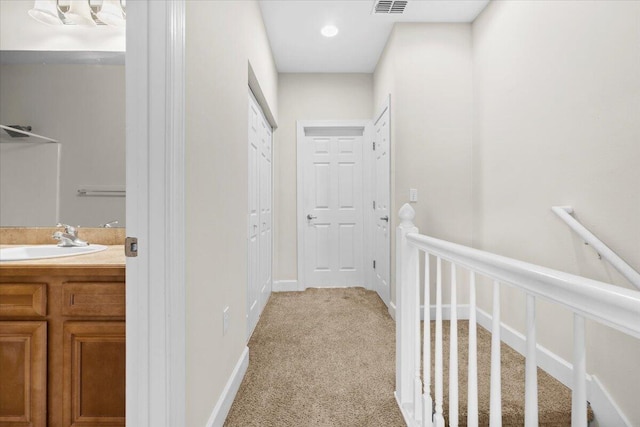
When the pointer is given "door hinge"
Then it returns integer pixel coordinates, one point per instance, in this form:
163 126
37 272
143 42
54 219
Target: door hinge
374 205
131 247
374 146
374 264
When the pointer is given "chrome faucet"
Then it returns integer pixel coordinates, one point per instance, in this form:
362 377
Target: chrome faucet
109 224
68 237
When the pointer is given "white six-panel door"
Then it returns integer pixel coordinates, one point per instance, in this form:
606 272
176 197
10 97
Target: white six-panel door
381 219
330 167
259 235
266 188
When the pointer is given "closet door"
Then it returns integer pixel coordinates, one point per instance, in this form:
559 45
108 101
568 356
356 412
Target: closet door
265 214
260 214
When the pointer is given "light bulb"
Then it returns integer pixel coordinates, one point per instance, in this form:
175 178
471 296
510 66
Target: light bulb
329 30
46 11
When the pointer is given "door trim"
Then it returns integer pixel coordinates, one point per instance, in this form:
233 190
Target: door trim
300 134
155 101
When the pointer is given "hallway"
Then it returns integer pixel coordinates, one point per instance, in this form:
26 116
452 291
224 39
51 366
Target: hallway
322 357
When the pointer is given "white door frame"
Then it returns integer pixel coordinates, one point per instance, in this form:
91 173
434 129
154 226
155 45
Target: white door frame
155 289
300 126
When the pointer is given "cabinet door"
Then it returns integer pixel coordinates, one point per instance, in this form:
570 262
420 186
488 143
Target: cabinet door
94 374
23 374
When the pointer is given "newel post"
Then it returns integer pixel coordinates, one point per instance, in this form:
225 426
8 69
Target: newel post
406 279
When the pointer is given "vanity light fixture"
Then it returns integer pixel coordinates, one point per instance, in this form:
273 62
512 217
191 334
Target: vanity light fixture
85 13
329 30
112 13
79 13
47 12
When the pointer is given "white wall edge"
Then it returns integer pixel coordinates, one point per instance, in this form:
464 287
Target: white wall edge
285 286
156 353
221 410
606 411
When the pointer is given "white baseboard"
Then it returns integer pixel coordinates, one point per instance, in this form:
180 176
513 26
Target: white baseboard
606 411
407 415
463 311
285 286
553 364
392 310
294 285
221 410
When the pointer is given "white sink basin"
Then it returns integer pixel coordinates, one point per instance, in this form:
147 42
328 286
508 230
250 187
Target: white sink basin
46 251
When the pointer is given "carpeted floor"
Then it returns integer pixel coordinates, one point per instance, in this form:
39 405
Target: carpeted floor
326 357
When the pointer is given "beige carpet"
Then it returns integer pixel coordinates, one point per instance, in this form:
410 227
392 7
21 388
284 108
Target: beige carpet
326 357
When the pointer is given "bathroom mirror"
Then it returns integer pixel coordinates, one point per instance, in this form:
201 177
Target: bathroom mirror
78 101
65 83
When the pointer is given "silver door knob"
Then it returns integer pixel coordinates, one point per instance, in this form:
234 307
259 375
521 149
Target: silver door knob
310 217
385 218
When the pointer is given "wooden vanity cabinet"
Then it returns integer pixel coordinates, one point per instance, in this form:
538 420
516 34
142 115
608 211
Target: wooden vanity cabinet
62 347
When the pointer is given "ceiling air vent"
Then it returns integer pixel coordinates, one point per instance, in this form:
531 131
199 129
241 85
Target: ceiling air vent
389 6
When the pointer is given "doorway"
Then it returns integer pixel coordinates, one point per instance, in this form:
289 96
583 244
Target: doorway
331 196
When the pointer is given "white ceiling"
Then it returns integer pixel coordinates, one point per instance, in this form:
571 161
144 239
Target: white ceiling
293 27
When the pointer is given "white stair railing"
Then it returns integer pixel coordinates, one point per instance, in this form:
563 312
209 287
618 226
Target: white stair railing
610 305
564 213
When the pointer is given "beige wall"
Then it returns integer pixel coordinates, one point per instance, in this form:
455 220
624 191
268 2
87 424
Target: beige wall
427 69
553 116
557 122
307 97
221 39
83 107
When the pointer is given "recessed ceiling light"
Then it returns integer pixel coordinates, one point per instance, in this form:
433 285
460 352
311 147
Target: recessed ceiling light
329 30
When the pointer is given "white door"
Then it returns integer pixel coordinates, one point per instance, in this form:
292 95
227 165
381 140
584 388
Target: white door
259 215
381 185
331 212
265 239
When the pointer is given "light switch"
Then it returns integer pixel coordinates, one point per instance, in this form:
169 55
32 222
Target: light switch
413 195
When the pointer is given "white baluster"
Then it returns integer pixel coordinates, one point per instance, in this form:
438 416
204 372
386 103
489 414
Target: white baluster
453 352
579 393
417 381
495 414
531 367
472 380
438 417
427 403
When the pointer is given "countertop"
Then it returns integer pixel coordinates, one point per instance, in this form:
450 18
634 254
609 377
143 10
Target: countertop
112 257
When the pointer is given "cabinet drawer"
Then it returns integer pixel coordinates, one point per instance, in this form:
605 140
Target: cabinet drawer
23 299
93 299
